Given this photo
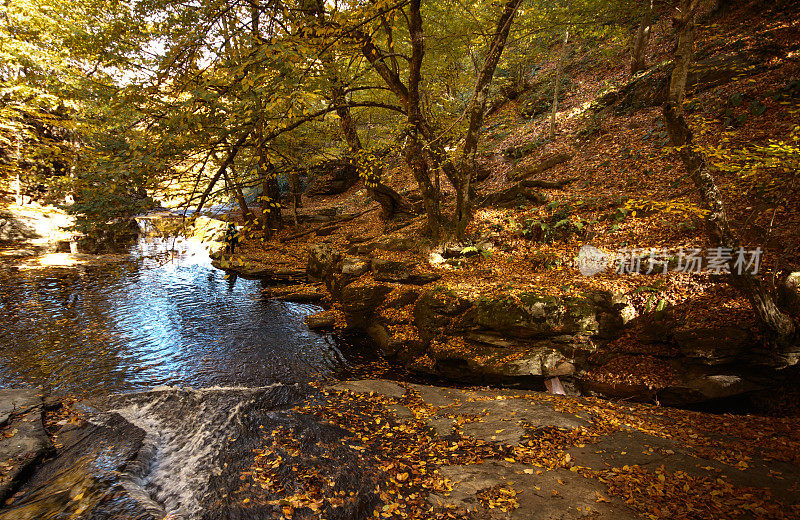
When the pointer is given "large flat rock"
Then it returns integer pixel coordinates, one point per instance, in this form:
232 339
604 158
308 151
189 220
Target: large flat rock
17 400
23 440
541 494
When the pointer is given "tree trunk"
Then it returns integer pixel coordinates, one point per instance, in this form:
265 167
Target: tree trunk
638 54
391 202
346 122
415 155
467 170
424 152
557 86
294 184
779 327
233 185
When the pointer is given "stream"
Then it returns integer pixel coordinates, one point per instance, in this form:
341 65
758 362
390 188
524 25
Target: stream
164 316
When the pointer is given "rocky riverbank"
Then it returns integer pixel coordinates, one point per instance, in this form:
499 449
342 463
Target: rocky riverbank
380 449
595 341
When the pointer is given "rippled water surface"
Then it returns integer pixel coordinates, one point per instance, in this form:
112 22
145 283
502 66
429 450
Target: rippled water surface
159 318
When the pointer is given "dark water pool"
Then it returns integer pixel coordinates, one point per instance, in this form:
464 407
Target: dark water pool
164 316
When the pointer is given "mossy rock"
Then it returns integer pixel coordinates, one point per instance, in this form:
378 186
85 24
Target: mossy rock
535 315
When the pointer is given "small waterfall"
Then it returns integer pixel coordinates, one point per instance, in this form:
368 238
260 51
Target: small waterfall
180 454
185 431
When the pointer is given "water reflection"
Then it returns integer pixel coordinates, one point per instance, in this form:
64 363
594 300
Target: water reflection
163 317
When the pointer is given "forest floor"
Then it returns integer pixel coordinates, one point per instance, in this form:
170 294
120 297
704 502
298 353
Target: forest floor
630 193
482 454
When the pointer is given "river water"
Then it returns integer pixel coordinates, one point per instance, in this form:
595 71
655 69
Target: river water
164 316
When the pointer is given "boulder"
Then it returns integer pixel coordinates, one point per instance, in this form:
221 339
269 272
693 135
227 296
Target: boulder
399 271
321 320
700 385
532 315
332 177
255 270
386 243
13 231
789 294
713 345
296 293
23 442
360 300
322 260
355 266
401 296
438 310
458 359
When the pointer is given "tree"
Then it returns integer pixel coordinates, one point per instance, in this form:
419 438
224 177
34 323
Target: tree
424 150
778 325
639 48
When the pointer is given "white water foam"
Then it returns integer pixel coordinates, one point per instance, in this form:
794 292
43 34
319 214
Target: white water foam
185 431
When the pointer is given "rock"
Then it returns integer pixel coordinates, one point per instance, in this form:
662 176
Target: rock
460 361
401 296
533 315
505 420
556 494
321 320
52 403
368 386
789 294
23 442
332 177
322 260
399 271
297 293
423 277
181 453
256 270
633 391
391 270
435 259
386 243
442 426
14 229
492 339
354 266
700 385
380 335
438 310
713 346
93 457
359 300
17 401
316 215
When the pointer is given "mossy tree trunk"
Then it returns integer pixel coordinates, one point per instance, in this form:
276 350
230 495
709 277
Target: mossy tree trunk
778 326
